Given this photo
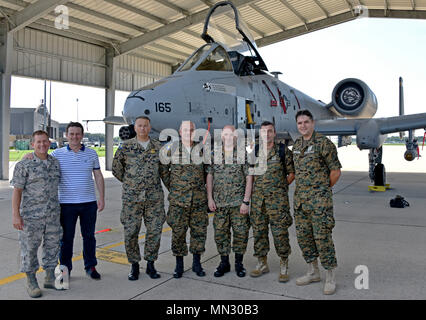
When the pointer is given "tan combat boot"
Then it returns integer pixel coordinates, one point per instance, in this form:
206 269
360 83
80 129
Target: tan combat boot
330 282
313 275
261 267
283 277
32 285
49 280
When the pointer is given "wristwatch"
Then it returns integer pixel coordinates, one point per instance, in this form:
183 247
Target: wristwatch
247 203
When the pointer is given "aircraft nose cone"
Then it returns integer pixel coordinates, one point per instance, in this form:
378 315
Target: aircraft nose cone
135 107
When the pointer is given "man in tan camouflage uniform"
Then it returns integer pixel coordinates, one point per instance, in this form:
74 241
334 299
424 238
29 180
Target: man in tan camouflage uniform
317 169
228 191
37 216
187 202
137 165
270 204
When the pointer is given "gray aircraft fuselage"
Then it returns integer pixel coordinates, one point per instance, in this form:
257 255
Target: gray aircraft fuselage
220 97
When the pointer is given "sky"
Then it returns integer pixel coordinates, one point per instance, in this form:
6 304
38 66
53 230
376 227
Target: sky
377 51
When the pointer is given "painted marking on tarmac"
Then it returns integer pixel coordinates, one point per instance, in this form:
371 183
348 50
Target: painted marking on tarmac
112 256
106 254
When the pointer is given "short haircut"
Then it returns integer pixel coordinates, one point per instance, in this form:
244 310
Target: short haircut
267 123
75 124
304 113
229 126
39 133
190 124
143 117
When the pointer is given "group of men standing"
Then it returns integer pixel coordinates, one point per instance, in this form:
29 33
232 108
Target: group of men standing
226 189
51 192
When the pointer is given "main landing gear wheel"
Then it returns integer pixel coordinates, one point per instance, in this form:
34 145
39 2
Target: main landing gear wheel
379 175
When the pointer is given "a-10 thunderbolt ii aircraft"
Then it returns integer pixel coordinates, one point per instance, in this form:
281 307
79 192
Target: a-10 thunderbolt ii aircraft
226 81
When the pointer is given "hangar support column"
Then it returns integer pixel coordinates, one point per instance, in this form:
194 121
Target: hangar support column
6 51
109 105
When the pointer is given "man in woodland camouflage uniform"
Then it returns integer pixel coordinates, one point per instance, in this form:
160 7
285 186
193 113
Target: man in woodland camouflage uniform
137 165
317 169
228 191
187 201
270 204
37 216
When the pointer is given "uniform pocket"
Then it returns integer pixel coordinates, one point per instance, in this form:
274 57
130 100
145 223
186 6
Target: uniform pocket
328 221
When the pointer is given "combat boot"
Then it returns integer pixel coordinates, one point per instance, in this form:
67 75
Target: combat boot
313 275
179 267
32 285
330 282
49 280
150 270
283 277
196 265
239 268
223 267
261 267
134 272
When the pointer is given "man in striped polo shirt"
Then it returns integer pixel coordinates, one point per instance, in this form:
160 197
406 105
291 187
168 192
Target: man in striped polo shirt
77 197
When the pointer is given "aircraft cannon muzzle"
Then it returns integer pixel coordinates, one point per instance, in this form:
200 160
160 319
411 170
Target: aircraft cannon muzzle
127 132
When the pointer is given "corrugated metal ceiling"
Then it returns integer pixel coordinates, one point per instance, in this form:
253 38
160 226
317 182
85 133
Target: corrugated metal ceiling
115 22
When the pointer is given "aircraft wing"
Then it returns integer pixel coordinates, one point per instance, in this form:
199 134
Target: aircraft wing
115 120
383 125
402 123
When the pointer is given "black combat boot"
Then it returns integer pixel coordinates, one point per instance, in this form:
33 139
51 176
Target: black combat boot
179 267
223 267
150 270
134 272
196 265
239 268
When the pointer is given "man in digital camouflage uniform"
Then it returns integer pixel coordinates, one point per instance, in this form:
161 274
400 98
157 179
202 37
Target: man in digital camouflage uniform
187 201
229 191
270 204
137 165
317 169
36 212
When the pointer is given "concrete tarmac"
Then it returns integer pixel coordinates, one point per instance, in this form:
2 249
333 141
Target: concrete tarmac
381 251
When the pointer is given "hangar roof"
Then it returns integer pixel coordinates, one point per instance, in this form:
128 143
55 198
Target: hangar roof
169 30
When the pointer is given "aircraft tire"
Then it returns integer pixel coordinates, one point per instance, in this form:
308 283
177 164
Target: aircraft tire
379 175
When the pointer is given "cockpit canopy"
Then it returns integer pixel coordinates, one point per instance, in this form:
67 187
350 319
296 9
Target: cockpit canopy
213 57
216 60
230 45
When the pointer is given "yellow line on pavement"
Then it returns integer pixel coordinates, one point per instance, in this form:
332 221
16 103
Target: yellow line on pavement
22 275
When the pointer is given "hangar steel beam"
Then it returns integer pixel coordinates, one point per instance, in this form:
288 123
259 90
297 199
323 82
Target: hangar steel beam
267 16
33 12
174 7
170 28
401 14
138 11
6 56
313 26
110 76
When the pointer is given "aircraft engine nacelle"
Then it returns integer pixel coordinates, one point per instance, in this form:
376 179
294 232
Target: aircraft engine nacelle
352 98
